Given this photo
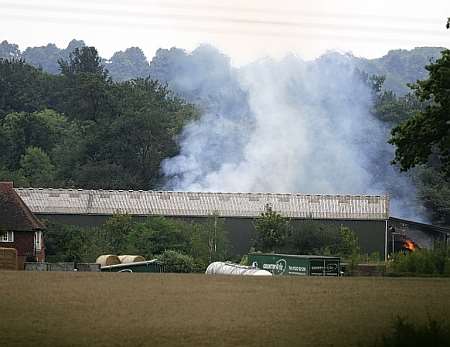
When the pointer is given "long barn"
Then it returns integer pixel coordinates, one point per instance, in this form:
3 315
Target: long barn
366 215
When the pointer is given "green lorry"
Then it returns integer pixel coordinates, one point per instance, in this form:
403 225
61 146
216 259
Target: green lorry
141 266
299 265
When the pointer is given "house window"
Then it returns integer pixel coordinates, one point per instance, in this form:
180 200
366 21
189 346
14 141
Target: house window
37 240
7 236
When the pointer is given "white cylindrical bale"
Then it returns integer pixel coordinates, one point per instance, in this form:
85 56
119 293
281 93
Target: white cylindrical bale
221 268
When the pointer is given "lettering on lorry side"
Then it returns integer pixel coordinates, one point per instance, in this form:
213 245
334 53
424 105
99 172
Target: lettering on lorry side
278 268
297 268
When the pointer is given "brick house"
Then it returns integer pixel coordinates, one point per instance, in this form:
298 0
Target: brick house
19 227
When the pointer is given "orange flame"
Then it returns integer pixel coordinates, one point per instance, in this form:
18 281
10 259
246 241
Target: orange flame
410 245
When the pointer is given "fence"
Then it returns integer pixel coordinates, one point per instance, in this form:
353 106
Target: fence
67 267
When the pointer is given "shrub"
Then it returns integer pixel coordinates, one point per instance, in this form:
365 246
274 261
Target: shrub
423 261
177 262
406 334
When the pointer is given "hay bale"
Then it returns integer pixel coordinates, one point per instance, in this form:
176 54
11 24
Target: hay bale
8 259
126 259
108 259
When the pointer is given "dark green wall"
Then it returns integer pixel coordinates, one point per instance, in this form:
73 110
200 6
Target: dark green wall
240 230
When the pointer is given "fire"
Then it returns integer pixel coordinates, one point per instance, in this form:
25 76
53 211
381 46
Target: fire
410 245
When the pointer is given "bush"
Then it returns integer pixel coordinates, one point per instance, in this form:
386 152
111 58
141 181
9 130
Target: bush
423 261
406 334
177 262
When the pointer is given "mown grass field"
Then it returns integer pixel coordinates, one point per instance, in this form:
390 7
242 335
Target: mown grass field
118 309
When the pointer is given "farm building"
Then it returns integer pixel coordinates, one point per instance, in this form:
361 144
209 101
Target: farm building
19 227
367 216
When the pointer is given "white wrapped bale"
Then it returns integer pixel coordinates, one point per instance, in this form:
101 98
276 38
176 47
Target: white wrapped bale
221 268
126 259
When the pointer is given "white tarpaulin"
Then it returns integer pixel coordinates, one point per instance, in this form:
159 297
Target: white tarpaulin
221 268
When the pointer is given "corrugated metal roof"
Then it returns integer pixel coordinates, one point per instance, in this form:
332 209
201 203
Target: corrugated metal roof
107 202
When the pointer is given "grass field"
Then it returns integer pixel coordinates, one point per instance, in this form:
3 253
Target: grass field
114 309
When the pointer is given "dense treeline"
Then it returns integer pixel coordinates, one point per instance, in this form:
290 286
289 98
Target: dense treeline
399 66
423 262
191 246
82 129
420 139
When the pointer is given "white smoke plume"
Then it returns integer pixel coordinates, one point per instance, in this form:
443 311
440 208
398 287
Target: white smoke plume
287 126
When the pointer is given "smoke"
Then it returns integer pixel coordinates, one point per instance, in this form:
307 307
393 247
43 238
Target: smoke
283 126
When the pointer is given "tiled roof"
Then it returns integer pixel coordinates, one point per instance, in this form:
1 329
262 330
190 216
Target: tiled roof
14 214
107 202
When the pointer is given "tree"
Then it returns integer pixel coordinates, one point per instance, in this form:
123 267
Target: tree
84 86
158 234
116 231
349 247
313 237
144 132
63 242
128 65
37 168
9 50
434 191
209 241
18 131
83 60
22 87
272 231
426 135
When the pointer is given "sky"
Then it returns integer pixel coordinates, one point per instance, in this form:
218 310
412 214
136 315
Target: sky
244 30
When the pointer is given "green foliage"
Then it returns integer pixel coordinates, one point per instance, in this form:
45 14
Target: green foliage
433 186
400 67
129 64
36 167
244 260
68 243
43 129
158 234
116 231
209 241
83 60
97 133
22 87
349 247
427 132
9 50
46 57
13 176
423 261
176 262
394 110
349 242
406 334
434 191
312 237
152 237
272 231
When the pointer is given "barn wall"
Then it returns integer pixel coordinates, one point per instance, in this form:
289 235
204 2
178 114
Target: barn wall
240 230
23 243
424 235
